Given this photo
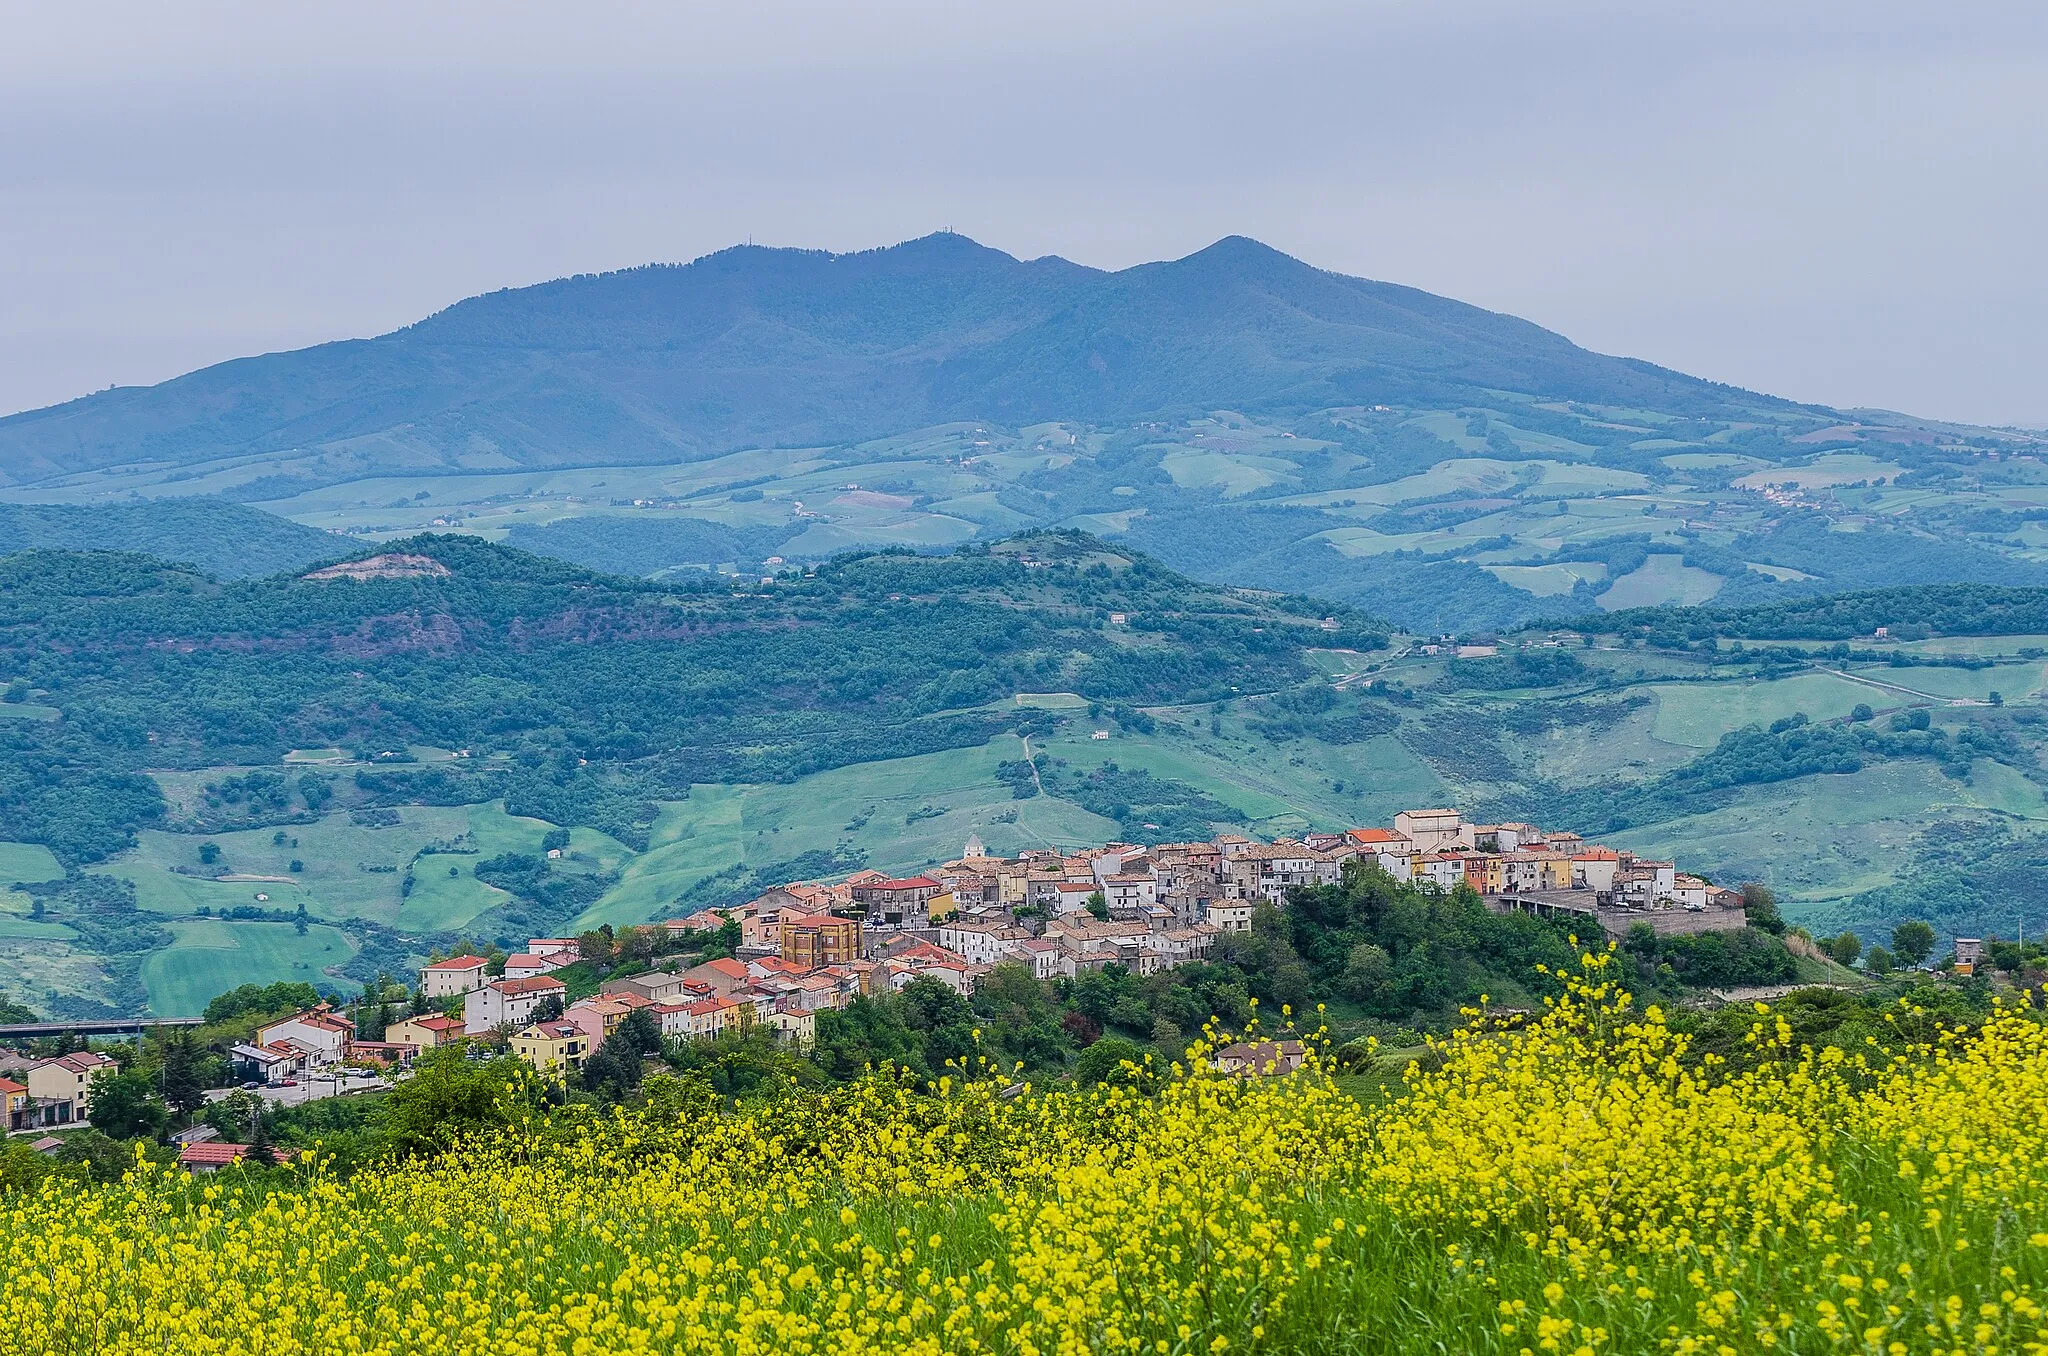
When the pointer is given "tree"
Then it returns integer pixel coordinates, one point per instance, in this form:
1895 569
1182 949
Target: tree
1913 941
615 1068
1861 712
209 853
260 1151
451 1097
1879 961
1104 1064
125 1106
1760 908
184 1089
549 1009
1098 906
1844 947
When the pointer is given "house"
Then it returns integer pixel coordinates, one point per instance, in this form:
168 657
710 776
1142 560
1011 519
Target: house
812 940
1594 868
597 1018
1129 893
270 1065
1444 870
893 903
452 977
1270 871
979 943
1389 851
657 986
1072 896
1429 830
508 1002
797 1027
552 1047
60 1089
567 947
1969 954
14 1105
1690 892
528 963
1040 953
1261 1057
424 1033
321 1034
214 1154
1230 915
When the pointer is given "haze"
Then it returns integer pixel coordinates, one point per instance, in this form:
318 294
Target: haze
1837 203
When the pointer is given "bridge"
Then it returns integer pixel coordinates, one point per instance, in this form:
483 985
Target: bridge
107 1026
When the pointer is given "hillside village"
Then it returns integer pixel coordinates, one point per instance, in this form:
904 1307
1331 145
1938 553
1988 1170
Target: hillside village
805 947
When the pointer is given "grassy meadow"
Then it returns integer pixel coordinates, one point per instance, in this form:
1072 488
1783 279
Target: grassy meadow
1584 1183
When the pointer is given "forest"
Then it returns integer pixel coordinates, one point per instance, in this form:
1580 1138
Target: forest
582 697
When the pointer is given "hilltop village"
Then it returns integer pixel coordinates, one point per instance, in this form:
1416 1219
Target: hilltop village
805 947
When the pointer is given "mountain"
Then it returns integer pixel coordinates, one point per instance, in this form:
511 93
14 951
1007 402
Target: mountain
757 347
228 541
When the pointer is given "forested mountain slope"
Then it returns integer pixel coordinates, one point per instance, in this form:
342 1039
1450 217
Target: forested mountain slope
581 696
227 540
770 347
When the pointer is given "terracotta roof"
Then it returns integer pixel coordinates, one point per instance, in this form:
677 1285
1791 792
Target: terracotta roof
531 984
218 1153
8 1088
1375 836
812 920
456 963
1597 855
728 966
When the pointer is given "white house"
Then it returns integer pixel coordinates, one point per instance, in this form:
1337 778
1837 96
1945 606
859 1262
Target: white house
1230 915
507 1001
567 947
1429 830
322 1036
456 975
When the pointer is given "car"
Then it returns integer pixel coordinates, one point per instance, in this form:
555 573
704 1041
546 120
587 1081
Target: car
251 1086
289 1083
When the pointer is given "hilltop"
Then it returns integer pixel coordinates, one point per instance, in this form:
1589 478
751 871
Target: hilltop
1239 415
757 347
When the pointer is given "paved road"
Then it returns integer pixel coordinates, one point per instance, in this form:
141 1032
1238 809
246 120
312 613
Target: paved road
308 1090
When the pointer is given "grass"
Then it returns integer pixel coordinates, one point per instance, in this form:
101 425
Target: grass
1696 715
211 957
28 862
1662 579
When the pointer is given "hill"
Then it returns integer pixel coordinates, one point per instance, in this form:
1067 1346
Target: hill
755 347
226 540
1239 415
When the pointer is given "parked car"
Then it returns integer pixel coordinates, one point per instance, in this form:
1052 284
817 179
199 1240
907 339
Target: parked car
289 1083
251 1086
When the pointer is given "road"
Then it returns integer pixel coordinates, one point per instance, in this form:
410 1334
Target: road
308 1090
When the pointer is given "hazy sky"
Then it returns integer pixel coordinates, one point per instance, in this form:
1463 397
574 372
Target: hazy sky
1834 202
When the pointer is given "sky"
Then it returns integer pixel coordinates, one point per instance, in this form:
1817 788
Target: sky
1835 202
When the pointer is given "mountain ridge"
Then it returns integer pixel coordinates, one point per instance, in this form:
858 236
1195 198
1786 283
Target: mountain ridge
759 346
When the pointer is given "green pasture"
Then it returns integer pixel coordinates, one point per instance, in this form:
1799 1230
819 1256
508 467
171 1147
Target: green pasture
1696 715
1547 581
211 957
28 862
1835 468
1662 579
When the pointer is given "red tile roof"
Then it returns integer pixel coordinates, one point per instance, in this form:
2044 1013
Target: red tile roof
535 984
457 963
217 1153
908 883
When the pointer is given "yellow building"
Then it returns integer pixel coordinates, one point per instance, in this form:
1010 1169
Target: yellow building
424 1033
552 1047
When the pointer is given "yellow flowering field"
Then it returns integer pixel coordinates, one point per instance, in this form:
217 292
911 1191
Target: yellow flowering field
1575 1185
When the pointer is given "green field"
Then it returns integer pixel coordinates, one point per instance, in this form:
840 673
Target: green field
211 957
1662 579
1696 715
27 862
